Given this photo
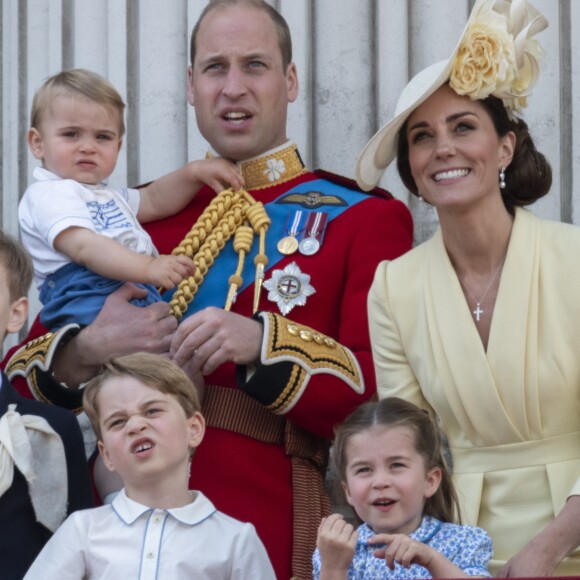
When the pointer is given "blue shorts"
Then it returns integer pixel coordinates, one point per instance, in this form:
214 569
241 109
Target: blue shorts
75 294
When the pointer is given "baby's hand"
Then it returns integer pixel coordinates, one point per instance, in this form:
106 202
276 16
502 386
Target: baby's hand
403 549
217 173
169 271
336 543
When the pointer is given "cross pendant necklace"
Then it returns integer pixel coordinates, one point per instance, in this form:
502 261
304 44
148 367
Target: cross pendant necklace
478 311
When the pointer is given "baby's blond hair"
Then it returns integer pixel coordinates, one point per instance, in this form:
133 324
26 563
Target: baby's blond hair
77 82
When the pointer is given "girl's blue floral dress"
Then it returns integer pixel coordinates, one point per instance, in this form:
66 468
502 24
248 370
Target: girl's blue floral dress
468 547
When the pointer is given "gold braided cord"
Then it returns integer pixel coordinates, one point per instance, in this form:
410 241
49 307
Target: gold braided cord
206 222
261 222
243 239
223 217
205 255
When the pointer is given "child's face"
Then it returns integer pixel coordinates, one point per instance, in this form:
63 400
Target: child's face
386 480
78 139
146 436
12 312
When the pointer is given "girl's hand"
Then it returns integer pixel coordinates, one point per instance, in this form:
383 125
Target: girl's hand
402 549
406 551
336 543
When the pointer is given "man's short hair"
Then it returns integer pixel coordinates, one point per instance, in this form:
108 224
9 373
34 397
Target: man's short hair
18 266
280 24
153 370
77 82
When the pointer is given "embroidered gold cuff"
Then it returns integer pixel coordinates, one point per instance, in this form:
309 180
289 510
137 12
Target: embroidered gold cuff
310 352
35 358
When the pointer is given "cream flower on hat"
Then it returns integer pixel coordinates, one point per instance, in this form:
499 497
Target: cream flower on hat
485 60
496 57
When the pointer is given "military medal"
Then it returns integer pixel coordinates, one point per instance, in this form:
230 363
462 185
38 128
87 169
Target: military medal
315 226
289 287
289 243
309 246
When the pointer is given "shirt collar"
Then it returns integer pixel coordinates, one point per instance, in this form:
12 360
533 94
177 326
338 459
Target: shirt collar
191 514
42 174
424 533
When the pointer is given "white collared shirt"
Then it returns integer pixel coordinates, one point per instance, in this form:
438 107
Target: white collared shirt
127 540
50 205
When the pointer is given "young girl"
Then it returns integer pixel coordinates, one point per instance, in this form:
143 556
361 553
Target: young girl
388 456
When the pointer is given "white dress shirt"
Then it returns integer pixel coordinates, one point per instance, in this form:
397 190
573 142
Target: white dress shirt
126 540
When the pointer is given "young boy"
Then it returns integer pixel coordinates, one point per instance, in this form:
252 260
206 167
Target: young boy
85 238
145 412
43 469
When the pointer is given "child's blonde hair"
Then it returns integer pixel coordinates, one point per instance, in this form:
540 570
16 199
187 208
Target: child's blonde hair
18 266
153 370
395 412
77 82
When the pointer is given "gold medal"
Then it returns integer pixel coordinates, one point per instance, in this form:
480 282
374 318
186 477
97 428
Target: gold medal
287 245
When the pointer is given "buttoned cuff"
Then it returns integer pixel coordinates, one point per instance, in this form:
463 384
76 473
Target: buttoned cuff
290 355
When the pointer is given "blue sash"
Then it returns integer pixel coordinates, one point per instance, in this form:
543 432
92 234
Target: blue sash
214 289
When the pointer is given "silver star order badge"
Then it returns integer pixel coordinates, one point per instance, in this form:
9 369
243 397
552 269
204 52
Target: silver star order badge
289 287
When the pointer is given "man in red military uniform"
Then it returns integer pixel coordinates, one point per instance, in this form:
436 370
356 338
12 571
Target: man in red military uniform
282 366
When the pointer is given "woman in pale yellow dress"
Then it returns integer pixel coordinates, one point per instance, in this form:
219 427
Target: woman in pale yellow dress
481 324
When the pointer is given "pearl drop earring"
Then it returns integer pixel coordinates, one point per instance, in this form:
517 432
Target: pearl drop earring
502 178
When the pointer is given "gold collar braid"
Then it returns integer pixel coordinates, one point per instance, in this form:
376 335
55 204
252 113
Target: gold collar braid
229 213
272 169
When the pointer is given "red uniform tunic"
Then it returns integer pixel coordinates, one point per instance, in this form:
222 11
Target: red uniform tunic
255 478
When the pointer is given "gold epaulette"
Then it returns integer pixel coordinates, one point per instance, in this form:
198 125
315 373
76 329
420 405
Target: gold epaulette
311 352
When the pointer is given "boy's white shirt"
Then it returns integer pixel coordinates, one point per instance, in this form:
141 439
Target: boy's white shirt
51 204
129 540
